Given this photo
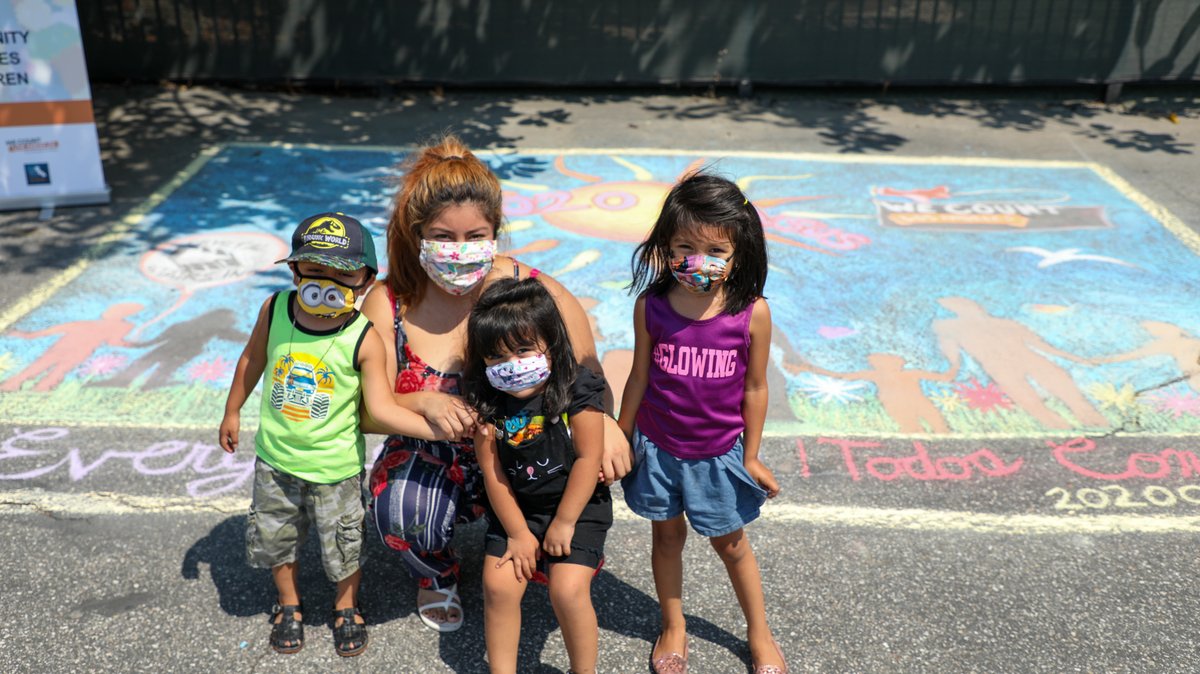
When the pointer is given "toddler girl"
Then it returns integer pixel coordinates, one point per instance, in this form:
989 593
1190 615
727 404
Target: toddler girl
539 451
696 400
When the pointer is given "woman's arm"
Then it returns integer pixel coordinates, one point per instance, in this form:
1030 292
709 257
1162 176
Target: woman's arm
587 433
522 544
616 461
754 401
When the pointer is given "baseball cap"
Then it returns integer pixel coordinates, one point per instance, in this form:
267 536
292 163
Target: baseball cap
333 239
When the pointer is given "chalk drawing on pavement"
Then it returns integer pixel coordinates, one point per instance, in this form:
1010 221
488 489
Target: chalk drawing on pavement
931 297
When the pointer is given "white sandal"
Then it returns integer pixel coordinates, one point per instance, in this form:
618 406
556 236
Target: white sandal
451 601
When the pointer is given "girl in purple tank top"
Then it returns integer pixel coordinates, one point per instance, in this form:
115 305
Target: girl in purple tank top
696 400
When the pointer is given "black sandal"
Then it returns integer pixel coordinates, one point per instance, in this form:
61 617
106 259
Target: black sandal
349 638
287 635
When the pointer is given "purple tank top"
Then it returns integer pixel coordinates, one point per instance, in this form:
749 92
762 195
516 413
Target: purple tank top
692 407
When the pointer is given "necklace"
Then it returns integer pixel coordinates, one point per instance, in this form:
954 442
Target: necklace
332 339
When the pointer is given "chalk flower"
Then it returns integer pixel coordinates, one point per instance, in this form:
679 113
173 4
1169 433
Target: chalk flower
948 401
1176 403
210 371
828 389
987 398
1109 396
103 364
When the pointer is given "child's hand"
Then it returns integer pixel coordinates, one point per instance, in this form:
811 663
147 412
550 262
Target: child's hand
450 414
227 437
558 538
763 476
523 553
617 459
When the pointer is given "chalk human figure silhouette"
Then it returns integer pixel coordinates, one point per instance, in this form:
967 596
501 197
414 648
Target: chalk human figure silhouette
899 389
79 341
1013 356
174 347
1168 340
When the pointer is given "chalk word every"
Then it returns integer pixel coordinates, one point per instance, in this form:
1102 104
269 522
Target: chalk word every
1116 496
209 469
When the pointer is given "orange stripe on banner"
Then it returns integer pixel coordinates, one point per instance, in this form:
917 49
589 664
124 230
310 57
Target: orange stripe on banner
46 113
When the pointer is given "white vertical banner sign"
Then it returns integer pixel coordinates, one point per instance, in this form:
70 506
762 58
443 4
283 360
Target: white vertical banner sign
49 151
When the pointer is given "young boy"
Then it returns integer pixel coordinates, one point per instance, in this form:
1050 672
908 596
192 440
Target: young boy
322 354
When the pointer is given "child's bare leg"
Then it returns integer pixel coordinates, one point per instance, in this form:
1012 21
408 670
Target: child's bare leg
347 596
284 576
666 559
502 594
734 550
571 597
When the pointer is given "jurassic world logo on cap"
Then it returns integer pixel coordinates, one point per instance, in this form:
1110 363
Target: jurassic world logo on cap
333 239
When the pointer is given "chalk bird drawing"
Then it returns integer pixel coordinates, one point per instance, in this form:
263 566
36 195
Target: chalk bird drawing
1051 258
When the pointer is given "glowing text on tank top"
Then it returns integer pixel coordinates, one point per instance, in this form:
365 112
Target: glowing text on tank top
694 361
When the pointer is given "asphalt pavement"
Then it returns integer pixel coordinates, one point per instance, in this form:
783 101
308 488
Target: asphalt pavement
886 552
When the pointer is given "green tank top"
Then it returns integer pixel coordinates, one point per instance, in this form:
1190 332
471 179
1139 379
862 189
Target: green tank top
308 424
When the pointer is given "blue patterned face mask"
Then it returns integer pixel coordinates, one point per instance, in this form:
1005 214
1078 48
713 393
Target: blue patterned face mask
699 274
511 376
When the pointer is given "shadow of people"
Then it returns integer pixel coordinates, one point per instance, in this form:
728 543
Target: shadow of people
390 594
244 591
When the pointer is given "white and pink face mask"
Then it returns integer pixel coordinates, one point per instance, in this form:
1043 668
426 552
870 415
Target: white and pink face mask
457 266
511 376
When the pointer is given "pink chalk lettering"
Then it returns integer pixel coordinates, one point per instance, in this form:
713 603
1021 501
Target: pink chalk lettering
918 466
1137 464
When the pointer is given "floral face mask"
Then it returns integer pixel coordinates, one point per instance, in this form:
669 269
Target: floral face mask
457 267
517 375
699 274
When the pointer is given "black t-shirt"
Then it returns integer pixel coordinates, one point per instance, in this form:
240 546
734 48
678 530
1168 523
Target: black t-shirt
537 455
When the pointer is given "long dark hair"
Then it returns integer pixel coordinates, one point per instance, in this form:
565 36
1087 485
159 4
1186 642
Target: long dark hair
706 200
511 314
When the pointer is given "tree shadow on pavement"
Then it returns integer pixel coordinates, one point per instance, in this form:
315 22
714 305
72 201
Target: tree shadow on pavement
849 120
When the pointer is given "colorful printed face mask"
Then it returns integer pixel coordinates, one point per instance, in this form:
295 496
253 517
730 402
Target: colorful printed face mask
457 266
699 273
324 297
511 376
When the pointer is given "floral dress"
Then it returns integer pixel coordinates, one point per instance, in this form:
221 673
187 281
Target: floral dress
420 489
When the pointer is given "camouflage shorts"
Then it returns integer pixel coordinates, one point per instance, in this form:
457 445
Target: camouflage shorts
284 506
